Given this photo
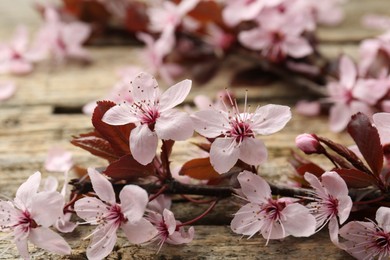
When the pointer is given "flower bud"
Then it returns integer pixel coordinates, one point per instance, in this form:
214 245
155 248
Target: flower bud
308 143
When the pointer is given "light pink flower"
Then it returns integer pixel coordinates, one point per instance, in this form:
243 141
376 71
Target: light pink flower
368 240
328 12
62 40
153 113
58 160
169 229
110 215
155 52
273 218
331 201
235 133
277 36
382 123
170 15
7 90
237 11
15 56
308 143
374 55
30 215
351 95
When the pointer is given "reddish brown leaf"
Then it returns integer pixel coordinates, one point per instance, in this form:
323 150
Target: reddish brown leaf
117 136
200 169
355 178
310 167
95 145
366 137
127 168
208 11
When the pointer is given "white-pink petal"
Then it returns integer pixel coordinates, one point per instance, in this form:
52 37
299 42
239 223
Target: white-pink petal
210 123
255 188
119 115
144 87
224 154
49 240
339 117
382 122
139 232
102 186
348 72
143 144
87 208
270 118
174 125
246 220
175 95
46 207
299 222
133 202
102 242
383 218
27 190
253 151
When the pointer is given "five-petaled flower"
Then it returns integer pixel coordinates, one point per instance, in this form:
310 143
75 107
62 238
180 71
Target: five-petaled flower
330 200
30 215
235 133
273 218
154 115
110 215
368 240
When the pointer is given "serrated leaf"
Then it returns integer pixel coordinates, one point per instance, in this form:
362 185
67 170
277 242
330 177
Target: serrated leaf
127 168
367 139
200 169
117 136
355 178
96 145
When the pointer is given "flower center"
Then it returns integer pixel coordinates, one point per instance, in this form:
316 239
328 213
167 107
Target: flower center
26 222
383 241
331 204
116 214
240 130
274 208
149 116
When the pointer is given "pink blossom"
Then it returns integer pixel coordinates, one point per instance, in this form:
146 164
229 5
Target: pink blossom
273 218
374 55
382 123
58 160
153 113
62 40
237 11
351 95
160 203
30 215
331 201
110 215
169 229
155 52
278 35
170 15
120 91
308 143
15 56
368 240
235 133
7 90
328 12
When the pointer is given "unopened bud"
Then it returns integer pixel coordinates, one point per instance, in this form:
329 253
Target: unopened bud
308 143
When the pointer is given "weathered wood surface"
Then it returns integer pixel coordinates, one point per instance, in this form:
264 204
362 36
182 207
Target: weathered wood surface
29 127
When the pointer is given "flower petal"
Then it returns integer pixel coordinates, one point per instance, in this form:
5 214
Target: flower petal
27 190
89 208
210 123
49 240
253 151
119 115
246 221
348 72
144 87
139 232
339 117
174 125
143 144
169 221
383 218
224 154
256 39
22 246
255 188
46 207
297 47
299 222
133 202
175 95
382 122
269 119
102 187
102 242
181 236
334 184
8 214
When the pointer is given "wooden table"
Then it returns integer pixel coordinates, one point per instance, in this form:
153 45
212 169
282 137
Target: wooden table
39 117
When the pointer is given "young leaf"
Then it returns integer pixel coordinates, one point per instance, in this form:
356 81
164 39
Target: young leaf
366 137
355 178
96 145
200 169
127 168
117 136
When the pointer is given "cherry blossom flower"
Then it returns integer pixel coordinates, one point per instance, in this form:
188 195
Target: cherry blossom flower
155 52
237 11
368 240
273 218
15 56
58 160
62 40
351 95
330 201
328 12
30 215
278 36
169 229
110 215
170 15
235 133
7 90
382 123
308 143
374 55
153 113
